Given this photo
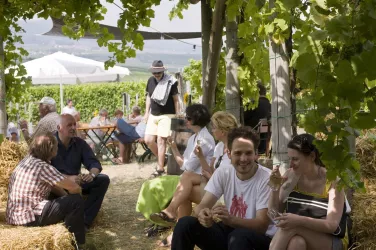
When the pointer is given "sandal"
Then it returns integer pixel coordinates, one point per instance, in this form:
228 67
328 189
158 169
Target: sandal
155 230
157 173
162 218
117 161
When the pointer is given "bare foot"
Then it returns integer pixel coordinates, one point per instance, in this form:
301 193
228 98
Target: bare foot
166 242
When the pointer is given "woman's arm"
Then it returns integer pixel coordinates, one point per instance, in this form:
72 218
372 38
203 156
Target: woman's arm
328 225
204 164
335 210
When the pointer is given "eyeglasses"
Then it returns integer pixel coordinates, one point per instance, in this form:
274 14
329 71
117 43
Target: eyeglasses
188 118
218 162
157 73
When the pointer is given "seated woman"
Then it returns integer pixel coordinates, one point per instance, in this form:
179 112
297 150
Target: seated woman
157 193
190 186
315 215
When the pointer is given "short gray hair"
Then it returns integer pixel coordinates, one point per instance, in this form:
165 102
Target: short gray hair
102 111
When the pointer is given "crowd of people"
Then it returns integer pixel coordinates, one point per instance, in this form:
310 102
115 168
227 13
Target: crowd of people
240 204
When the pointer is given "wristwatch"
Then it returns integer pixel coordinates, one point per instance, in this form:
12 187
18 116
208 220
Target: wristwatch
93 175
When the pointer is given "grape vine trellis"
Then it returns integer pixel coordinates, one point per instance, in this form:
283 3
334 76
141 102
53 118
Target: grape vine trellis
334 53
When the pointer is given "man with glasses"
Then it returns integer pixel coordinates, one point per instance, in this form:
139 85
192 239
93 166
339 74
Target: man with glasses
162 103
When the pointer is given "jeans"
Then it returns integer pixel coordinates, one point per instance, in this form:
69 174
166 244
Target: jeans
70 209
96 191
189 232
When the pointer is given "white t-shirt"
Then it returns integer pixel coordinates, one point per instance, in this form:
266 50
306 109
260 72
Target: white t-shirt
242 198
68 110
191 161
218 152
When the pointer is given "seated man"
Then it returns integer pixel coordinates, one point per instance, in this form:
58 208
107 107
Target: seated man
244 220
127 134
136 117
28 205
72 152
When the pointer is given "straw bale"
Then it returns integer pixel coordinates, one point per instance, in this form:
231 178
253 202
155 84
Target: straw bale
10 154
364 216
365 154
54 237
366 244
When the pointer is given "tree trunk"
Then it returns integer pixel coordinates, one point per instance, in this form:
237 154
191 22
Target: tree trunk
206 20
3 116
215 44
232 63
294 118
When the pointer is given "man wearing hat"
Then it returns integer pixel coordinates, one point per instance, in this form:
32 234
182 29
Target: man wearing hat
162 103
48 122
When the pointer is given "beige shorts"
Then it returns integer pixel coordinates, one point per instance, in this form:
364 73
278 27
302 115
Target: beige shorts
159 125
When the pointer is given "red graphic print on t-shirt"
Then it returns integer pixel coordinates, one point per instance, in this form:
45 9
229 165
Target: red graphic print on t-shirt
238 207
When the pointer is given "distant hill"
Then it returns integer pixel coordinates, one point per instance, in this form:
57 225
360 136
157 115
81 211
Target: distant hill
174 54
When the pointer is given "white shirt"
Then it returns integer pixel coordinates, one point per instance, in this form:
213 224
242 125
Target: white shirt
191 161
68 110
218 152
242 198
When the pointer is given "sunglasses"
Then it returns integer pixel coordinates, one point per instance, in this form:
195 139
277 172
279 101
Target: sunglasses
188 118
218 162
157 73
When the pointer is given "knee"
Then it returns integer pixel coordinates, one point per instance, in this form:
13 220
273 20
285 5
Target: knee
185 224
76 200
104 180
297 243
161 140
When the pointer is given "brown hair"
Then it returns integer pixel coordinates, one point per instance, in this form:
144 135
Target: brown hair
43 146
118 112
245 133
304 144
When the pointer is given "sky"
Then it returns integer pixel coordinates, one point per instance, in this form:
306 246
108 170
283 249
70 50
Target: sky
190 23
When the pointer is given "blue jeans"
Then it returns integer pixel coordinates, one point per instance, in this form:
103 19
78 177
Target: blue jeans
127 133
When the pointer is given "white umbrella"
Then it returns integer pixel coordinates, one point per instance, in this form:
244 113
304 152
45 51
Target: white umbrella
61 68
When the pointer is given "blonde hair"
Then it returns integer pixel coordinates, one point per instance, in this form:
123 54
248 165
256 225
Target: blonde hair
43 146
224 121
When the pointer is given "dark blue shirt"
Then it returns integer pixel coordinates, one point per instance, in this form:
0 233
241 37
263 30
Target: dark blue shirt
68 160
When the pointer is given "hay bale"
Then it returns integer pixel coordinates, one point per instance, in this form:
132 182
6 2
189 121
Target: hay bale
54 237
364 216
10 155
365 148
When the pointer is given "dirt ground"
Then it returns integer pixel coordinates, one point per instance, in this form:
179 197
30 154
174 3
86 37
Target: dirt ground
118 225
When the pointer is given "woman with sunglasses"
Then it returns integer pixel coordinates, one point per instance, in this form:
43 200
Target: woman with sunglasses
190 186
315 211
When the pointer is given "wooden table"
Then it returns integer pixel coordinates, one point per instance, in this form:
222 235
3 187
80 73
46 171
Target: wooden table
102 141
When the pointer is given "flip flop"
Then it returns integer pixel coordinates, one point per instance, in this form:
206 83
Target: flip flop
117 161
162 218
166 242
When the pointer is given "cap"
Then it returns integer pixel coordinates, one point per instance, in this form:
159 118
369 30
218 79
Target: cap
47 100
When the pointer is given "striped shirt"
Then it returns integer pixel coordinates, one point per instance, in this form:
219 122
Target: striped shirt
29 187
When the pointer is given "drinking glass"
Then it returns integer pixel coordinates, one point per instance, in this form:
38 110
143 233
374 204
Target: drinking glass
272 213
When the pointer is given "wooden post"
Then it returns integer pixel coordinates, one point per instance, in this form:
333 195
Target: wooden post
206 20
215 45
3 116
232 63
281 107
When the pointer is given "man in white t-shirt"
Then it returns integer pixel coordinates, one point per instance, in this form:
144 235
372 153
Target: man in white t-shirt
244 222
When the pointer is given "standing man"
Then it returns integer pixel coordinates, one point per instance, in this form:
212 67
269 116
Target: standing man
48 122
162 103
72 152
